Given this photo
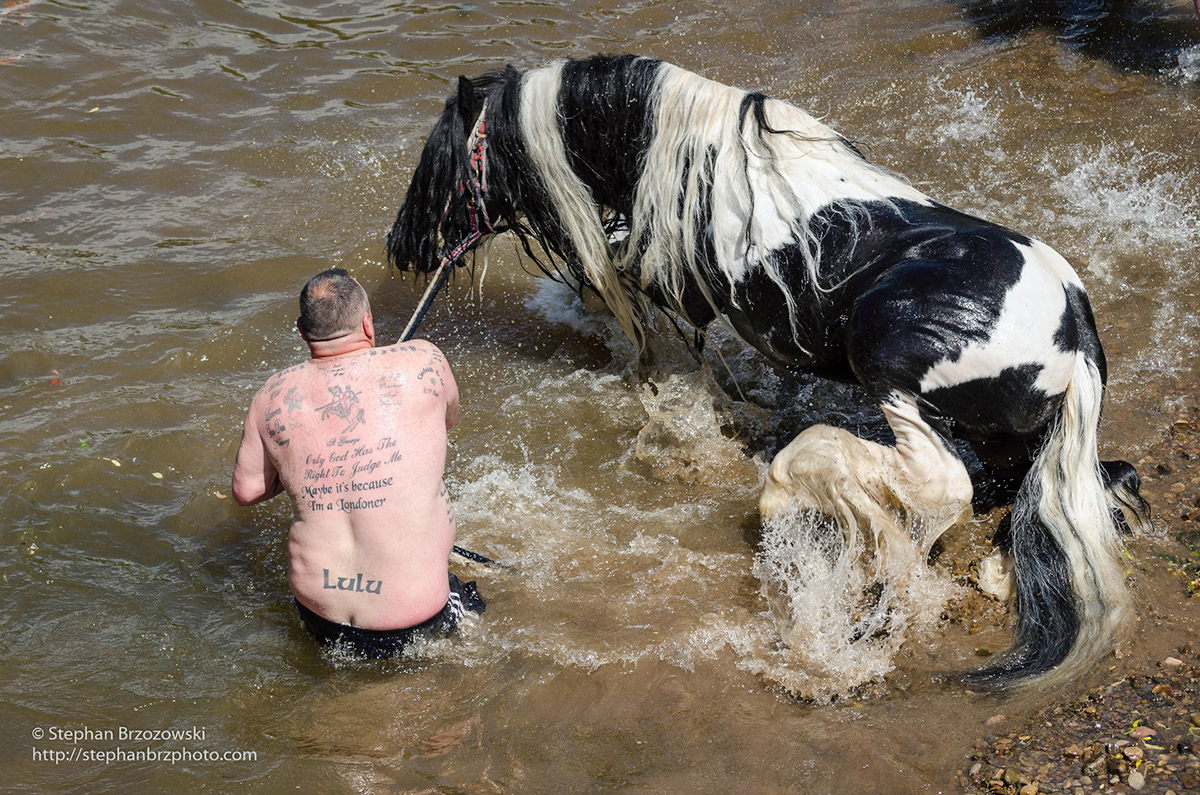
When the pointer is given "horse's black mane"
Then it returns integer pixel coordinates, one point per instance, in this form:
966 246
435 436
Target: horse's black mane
443 171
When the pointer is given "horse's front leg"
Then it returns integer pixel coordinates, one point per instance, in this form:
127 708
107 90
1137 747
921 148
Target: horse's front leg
912 492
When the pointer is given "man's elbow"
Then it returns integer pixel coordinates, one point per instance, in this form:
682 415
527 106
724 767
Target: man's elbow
243 497
248 496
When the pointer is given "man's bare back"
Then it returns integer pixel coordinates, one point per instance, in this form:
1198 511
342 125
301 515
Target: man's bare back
357 438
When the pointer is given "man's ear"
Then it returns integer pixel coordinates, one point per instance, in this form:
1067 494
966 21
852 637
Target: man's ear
300 328
470 103
368 326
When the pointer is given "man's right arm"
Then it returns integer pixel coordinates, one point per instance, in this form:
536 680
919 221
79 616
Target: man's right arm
254 475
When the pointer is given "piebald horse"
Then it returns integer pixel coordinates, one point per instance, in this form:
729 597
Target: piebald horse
656 187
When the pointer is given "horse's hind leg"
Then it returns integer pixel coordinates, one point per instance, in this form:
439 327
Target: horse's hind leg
932 480
1123 485
913 491
1006 463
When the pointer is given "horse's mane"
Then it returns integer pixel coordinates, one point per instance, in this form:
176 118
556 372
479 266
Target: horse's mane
708 182
727 178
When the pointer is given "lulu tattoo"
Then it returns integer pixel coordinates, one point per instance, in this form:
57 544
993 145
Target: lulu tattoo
352 584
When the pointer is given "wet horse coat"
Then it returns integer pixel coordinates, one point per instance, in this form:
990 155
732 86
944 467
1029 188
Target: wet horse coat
654 186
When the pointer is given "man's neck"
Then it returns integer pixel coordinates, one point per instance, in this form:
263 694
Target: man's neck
327 349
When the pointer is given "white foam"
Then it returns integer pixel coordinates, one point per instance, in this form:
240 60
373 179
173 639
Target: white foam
1188 70
841 613
1119 193
967 117
558 302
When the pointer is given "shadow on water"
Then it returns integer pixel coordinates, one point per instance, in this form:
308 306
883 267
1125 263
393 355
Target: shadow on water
1134 35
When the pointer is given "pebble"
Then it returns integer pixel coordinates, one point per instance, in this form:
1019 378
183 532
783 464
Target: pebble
1173 662
994 720
1029 789
1136 780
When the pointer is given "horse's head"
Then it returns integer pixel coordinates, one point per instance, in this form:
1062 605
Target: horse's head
448 206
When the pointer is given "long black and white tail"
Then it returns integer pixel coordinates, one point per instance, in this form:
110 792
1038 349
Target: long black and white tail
1072 602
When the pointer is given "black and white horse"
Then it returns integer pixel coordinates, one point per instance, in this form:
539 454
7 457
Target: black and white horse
656 187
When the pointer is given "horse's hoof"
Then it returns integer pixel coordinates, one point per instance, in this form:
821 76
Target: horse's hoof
996 576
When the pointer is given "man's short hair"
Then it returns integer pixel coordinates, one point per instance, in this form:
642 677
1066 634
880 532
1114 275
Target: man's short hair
332 305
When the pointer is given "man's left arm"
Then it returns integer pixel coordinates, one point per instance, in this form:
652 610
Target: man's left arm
254 475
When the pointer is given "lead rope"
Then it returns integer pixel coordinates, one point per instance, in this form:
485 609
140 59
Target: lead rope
478 145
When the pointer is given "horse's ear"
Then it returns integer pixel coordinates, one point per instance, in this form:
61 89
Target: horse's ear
470 103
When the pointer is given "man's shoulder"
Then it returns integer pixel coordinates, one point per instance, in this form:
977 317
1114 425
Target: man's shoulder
277 383
408 348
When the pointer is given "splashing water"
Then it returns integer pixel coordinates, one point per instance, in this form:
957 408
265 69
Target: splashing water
842 610
968 117
684 439
1188 70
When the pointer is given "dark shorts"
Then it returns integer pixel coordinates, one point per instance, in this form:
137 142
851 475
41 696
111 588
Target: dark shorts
381 643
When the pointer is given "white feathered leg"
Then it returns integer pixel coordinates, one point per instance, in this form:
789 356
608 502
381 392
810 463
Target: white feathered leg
913 492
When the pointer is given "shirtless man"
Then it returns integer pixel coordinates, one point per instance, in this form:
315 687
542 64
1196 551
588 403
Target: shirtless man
357 438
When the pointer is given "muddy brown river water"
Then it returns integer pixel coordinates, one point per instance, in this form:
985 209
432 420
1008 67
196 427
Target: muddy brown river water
172 172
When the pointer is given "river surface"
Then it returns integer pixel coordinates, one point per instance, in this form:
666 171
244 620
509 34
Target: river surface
172 172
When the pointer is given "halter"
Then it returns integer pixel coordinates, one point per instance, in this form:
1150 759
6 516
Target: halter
476 211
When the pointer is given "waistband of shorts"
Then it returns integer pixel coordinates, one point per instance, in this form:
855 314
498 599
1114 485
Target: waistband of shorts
323 625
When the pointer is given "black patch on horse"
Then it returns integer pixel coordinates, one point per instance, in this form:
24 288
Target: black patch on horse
601 99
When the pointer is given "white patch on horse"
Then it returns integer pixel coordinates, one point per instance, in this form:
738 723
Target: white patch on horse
580 215
763 190
1024 334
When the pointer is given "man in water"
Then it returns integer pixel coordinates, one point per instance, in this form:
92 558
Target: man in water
357 438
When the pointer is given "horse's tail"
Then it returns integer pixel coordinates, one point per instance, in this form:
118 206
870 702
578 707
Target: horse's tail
1072 602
